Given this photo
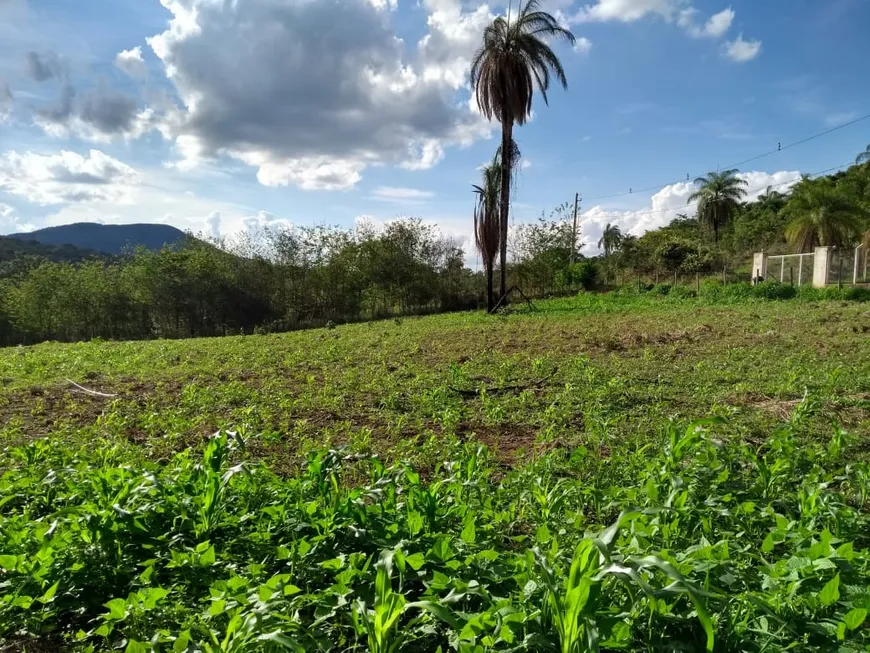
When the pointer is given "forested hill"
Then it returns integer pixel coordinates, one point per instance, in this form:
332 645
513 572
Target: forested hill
106 238
11 248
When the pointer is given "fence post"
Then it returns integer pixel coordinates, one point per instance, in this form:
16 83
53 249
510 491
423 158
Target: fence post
759 264
697 283
821 266
724 275
791 276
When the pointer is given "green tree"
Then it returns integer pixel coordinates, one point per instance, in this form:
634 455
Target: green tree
611 239
512 61
487 225
864 157
718 197
819 214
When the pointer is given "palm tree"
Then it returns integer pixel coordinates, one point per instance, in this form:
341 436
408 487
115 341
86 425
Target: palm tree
512 61
610 239
864 157
487 226
718 197
820 215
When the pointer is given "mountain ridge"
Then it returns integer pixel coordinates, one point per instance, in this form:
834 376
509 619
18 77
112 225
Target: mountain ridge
111 239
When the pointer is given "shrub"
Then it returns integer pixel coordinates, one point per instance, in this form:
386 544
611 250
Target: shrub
683 292
661 289
774 290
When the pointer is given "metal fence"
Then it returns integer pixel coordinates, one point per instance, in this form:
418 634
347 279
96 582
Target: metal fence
796 269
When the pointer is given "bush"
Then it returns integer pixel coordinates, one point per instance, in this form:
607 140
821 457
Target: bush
774 290
850 294
661 289
683 292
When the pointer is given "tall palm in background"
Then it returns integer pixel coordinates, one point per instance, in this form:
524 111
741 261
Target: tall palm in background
487 225
718 196
513 60
820 215
864 157
610 239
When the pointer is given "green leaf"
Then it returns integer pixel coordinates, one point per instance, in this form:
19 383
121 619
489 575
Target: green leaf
846 551
49 593
334 563
854 618
117 609
9 562
441 612
181 641
542 534
767 545
152 596
207 558
217 607
415 561
469 533
841 631
290 590
415 522
831 591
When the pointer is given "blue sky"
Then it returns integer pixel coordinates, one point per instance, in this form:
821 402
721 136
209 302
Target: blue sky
222 116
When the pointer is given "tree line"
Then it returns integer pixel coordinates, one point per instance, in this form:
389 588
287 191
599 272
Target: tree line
273 279
832 210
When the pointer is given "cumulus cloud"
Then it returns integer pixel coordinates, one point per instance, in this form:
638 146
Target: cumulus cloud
213 222
42 66
310 100
680 12
100 115
669 202
740 50
401 195
66 177
131 62
628 11
715 27
12 223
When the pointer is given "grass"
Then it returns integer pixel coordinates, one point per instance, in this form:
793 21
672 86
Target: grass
345 505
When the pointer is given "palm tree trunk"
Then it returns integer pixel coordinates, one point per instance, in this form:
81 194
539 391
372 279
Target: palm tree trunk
489 299
506 152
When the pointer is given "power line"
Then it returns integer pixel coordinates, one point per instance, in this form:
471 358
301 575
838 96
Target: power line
779 148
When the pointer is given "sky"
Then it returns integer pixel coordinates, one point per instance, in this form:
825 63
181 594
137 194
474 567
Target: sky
219 116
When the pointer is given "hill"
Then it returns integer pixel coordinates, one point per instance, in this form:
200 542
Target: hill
106 238
12 247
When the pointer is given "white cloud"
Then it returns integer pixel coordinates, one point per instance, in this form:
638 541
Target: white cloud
669 202
263 82
582 45
628 11
680 12
213 223
131 62
740 50
66 177
717 26
395 194
12 223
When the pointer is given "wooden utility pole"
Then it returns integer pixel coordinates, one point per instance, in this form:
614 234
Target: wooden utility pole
574 231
